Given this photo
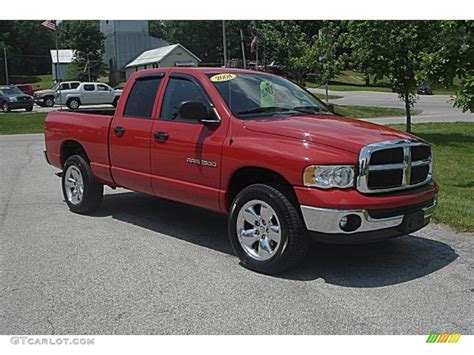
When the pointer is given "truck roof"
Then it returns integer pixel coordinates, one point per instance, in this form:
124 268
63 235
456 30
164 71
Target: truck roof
203 70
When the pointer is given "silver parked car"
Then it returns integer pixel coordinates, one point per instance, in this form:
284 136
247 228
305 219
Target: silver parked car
88 94
45 98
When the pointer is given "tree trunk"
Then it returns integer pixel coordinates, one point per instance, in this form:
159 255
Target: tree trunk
408 112
327 93
367 79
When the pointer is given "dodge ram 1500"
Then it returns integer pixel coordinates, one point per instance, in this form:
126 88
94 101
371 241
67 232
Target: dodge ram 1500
255 146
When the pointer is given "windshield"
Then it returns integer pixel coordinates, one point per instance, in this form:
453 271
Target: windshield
252 95
11 91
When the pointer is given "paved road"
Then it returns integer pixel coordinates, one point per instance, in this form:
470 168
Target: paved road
142 265
434 108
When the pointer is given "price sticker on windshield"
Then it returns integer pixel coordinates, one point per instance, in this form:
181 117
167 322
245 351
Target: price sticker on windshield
222 77
267 94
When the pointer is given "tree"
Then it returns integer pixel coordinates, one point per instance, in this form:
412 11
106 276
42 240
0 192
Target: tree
28 44
396 50
204 38
289 47
453 56
325 57
85 38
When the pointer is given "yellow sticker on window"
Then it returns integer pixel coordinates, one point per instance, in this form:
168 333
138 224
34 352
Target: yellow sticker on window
222 77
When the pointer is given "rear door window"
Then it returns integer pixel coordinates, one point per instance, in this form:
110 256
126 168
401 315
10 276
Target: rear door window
141 98
89 87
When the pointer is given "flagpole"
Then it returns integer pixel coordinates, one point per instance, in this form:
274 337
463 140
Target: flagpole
57 68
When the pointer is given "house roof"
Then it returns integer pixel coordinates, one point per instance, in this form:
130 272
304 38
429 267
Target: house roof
157 55
66 56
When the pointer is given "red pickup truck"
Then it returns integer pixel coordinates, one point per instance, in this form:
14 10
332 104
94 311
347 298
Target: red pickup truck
252 145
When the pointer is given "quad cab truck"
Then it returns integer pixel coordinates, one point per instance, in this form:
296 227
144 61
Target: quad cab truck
254 146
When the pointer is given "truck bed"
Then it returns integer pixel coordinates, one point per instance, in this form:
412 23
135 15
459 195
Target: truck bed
90 128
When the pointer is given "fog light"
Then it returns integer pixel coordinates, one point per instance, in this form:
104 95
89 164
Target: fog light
350 223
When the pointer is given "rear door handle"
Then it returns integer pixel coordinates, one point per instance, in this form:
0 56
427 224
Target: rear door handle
161 136
119 131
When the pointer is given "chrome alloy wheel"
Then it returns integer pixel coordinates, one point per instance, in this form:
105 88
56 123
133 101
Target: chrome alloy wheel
74 185
258 230
74 104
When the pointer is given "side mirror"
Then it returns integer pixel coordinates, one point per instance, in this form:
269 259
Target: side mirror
192 110
195 110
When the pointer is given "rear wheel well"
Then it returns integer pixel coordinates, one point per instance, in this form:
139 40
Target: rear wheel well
252 175
70 148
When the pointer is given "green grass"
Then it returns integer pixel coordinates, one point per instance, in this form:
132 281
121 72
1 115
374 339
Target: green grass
453 154
22 122
355 81
367 111
40 82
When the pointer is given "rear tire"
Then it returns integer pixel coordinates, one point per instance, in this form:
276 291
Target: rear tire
29 108
266 231
115 103
73 104
81 191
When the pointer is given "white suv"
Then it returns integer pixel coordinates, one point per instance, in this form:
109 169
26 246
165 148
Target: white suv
88 94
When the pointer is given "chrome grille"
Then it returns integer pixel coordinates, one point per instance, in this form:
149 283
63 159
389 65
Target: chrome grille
394 165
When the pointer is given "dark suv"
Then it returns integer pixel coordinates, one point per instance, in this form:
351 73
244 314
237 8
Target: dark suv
12 98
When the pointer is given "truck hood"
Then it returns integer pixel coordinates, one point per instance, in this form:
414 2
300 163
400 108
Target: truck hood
44 92
343 133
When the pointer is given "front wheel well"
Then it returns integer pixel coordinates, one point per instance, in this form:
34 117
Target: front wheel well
254 175
70 148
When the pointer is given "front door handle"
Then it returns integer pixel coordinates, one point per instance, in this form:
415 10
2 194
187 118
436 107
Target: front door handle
161 136
119 131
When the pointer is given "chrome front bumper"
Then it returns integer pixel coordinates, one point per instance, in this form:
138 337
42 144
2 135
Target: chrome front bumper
327 221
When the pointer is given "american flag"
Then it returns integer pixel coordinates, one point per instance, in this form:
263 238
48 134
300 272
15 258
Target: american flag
51 24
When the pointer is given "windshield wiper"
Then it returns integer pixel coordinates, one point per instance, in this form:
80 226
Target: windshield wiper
312 109
264 109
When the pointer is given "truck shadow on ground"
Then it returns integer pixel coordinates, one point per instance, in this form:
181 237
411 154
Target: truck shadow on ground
386 263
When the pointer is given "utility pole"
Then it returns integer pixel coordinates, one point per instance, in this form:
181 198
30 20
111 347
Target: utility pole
224 42
88 67
58 81
6 65
243 48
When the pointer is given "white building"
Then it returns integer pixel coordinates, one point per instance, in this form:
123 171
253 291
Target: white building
65 56
175 55
124 41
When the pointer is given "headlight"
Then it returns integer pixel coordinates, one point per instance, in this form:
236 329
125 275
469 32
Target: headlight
328 176
12 98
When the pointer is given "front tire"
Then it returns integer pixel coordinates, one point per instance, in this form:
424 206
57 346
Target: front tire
266 231
29 108
5 107
48 101
82 193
